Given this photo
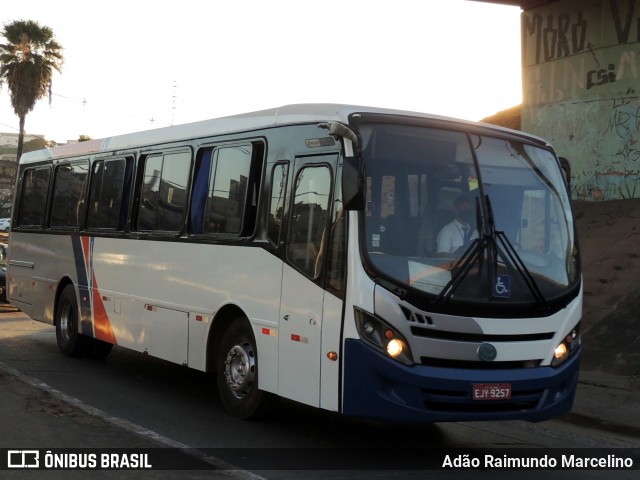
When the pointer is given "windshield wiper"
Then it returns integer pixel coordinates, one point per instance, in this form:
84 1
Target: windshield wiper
473 254
462 268
489 241
519 266
512 255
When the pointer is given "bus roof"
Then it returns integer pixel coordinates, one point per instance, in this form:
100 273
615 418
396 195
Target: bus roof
286 115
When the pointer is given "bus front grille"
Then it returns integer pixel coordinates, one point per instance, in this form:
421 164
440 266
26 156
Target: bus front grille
477 365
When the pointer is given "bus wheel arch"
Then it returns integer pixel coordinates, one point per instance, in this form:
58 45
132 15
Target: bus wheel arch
223 318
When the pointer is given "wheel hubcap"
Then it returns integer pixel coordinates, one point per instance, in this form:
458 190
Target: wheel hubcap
240 369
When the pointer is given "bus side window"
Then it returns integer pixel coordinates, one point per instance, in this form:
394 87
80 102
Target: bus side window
172 201
35 188
228 190
163 196
69 188
108 200
233 190
226 185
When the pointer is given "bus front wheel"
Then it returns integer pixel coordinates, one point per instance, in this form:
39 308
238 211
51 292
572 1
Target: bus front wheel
237 373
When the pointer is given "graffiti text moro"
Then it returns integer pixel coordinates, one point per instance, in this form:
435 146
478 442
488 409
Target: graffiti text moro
556 36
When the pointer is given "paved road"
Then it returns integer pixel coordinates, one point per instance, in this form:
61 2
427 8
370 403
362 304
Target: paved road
135 401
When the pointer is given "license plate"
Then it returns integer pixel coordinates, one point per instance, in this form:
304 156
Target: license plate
491 391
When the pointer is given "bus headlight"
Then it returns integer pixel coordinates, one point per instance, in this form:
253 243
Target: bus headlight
561 353
569 345
383 337
395 348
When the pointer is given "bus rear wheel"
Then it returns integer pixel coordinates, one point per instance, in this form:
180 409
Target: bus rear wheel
70 342
237 373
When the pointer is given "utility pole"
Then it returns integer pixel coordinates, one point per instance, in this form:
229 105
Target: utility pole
173 103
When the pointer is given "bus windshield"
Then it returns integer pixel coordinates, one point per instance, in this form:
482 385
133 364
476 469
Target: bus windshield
467 217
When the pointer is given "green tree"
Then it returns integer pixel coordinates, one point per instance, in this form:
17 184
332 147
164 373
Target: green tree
37 144
28 57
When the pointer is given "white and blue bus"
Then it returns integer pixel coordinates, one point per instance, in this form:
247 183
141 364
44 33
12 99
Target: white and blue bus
296 253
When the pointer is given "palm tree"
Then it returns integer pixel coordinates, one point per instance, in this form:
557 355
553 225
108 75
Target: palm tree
28 58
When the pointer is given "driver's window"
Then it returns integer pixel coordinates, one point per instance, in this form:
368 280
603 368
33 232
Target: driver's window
309 218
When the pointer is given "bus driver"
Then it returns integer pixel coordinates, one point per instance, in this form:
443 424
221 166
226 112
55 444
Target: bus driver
454 238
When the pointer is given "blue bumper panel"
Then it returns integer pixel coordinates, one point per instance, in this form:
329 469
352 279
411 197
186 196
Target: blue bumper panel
380 388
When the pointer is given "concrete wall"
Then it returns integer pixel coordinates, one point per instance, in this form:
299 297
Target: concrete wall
581 90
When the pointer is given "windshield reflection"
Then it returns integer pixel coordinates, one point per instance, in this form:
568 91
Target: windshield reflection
467 217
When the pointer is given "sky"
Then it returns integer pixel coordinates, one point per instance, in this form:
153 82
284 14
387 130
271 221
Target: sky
132 65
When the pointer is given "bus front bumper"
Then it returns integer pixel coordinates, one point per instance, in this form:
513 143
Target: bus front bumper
380 388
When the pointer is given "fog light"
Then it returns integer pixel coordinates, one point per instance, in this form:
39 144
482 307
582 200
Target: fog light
394 348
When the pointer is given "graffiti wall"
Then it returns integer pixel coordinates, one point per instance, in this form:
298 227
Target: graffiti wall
581 90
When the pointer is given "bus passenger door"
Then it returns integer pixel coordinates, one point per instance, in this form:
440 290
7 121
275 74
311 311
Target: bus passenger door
301 306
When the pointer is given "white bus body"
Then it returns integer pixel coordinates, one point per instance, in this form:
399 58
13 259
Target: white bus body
237 245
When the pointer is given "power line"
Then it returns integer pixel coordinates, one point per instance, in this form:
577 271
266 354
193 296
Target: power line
84 103
10 126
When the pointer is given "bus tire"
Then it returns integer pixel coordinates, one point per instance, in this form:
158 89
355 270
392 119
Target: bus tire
237 373
70 342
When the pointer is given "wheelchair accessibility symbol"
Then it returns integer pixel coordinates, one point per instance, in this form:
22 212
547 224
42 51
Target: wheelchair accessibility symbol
502 286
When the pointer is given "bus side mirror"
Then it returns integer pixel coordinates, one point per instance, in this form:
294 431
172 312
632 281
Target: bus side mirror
352 183
566 171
